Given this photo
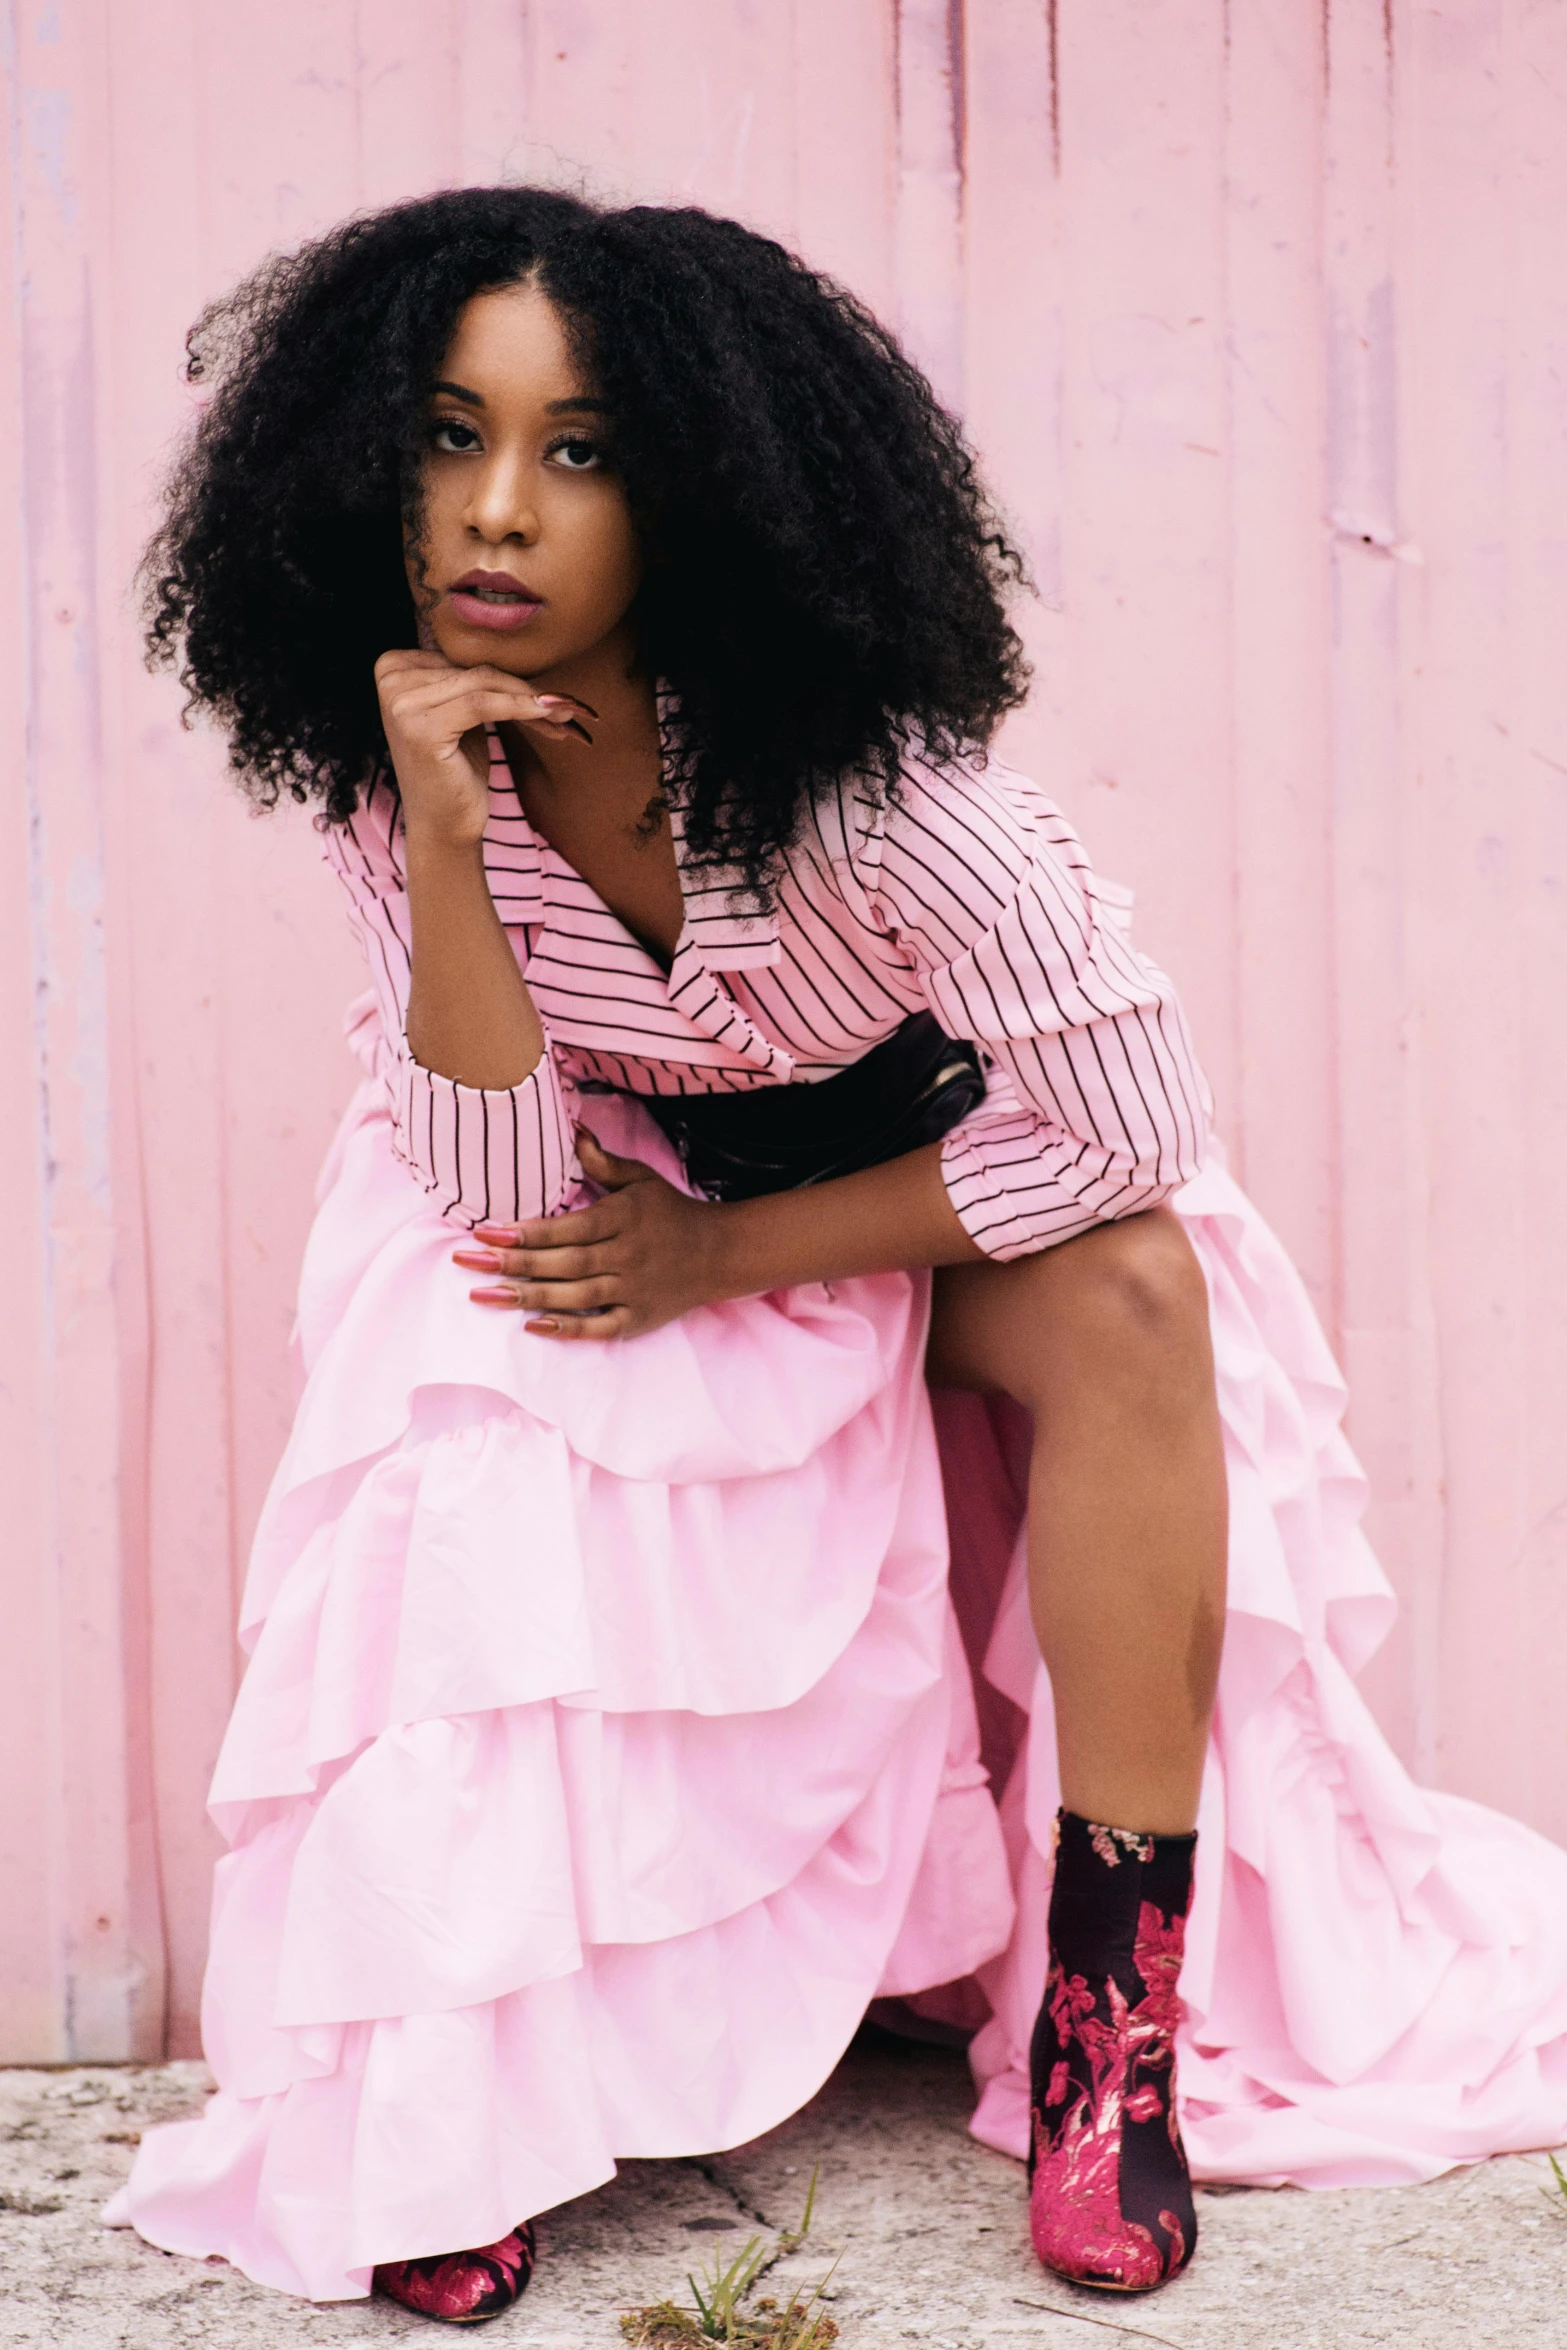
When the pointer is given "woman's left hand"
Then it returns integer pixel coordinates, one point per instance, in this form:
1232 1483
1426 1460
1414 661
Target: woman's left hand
640 1256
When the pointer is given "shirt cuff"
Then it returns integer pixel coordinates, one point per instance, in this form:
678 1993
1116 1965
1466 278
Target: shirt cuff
487 1154
1017 1187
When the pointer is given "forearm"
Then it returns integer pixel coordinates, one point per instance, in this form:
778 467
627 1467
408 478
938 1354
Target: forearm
892 1218
645 1252
470 1016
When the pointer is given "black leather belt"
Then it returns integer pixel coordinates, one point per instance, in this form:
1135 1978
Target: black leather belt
910 1089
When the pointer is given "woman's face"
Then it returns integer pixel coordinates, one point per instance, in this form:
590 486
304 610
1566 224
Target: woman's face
528 546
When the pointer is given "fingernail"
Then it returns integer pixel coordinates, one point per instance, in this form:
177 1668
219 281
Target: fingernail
546 1329
493 1297
477 1260
503 1235
555 701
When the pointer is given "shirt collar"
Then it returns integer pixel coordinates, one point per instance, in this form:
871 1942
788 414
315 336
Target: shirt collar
727 935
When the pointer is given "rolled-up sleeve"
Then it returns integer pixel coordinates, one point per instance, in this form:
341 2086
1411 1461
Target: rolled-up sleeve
483 1153
1097 1106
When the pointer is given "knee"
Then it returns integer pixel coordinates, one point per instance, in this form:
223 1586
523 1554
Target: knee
1144 1287
1124 1307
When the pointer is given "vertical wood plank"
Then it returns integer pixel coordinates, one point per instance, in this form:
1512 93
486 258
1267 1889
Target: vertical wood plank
1480 168
1014 283
407 89
31 2023
1463 797
929 234
1286 1152
580 99
713 114
491 63
845 131
102 1916
289 73
1387 1334
167 785
1146 524
1523 1673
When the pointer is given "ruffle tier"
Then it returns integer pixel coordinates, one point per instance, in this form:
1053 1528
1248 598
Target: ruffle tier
605 1743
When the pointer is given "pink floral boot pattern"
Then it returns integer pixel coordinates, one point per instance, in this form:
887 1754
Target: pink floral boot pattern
462 2288
1110 2197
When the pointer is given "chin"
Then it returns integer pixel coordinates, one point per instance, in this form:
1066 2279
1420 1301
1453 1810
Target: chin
477 648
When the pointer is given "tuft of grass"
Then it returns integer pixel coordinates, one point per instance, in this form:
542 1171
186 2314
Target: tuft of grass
1556 2196
722 2296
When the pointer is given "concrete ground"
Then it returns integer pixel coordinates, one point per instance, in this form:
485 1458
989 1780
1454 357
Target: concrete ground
928 2230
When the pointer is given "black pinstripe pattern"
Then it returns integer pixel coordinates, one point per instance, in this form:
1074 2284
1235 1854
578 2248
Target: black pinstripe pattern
972 896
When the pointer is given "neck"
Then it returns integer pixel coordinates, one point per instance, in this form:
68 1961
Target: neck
624 750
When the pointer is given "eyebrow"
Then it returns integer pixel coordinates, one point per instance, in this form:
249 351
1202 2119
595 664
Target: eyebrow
552 408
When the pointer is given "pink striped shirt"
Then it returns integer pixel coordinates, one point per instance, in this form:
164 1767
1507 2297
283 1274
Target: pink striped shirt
971 898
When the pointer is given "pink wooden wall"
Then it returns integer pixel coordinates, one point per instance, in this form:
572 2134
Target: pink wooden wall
1256 311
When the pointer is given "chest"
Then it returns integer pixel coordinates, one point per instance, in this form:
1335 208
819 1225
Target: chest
646 972
617 839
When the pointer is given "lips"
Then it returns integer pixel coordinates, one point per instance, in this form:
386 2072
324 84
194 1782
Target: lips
493 599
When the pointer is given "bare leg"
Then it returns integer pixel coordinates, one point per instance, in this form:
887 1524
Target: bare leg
1105 1341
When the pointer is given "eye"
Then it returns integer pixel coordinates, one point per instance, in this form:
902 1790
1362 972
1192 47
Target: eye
454 436
576 453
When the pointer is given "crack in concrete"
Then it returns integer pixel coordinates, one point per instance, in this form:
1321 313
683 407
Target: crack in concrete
725 2185
1075 2317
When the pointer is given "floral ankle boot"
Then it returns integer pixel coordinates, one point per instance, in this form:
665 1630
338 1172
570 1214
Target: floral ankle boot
1110 2201
462 2288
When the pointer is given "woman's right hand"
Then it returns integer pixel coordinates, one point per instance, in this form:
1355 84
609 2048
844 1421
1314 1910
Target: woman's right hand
435 714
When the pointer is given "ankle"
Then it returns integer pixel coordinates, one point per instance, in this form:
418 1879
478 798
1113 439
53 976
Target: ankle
1106 1879
1138 1819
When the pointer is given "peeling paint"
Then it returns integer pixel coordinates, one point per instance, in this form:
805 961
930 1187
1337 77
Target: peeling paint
89 1061
47 120
1375 535
1052 35
957 91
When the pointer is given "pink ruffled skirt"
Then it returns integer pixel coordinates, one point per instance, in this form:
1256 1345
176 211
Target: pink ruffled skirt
611 1738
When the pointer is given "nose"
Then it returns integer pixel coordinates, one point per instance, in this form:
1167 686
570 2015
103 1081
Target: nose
500 504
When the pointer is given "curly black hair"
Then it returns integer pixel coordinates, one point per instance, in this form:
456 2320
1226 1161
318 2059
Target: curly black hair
825 576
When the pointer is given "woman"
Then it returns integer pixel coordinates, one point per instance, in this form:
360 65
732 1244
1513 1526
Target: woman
608 1740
